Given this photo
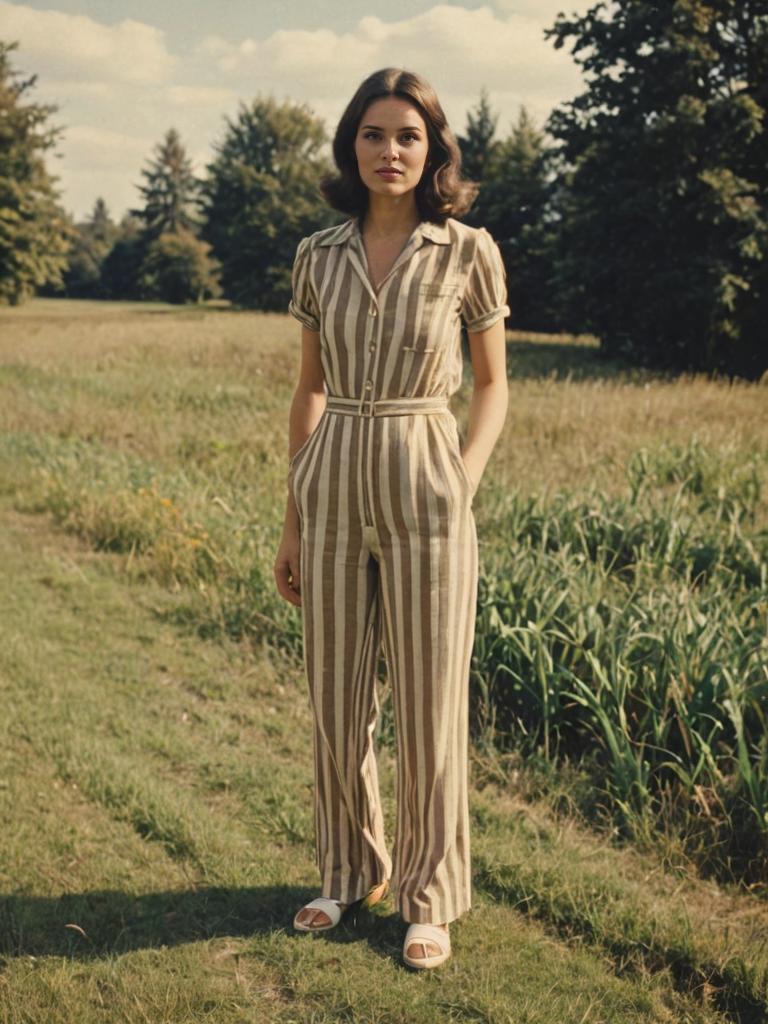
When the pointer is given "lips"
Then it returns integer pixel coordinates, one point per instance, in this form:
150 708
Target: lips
389 172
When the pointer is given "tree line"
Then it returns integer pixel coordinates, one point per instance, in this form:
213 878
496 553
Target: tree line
637 212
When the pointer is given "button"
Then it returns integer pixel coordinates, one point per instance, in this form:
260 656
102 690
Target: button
372 311
368 385
372 347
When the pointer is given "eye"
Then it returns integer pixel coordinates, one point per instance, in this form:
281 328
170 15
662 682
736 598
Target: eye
410 137
370 134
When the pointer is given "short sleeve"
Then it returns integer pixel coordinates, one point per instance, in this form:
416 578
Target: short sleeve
485 296
303 304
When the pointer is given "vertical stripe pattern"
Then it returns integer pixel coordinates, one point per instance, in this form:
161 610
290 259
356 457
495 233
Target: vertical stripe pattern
389 556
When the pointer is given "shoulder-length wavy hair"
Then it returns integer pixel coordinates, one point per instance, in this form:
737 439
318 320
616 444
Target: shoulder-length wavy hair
442 192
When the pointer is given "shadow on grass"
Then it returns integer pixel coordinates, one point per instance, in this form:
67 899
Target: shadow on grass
90 925
578 358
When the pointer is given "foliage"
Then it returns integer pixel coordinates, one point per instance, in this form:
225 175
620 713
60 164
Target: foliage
478 147
262 196
663 163
635 629
171 191
91 244
34 230
121 269
178 268
512 205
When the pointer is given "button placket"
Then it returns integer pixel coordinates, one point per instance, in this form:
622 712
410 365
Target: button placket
367 395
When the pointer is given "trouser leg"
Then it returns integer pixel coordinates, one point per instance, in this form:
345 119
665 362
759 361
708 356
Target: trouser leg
429 591
342 631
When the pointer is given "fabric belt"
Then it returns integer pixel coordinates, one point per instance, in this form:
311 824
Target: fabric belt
385 406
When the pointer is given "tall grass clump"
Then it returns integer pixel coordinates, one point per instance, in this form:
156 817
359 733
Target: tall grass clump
170 527
630 634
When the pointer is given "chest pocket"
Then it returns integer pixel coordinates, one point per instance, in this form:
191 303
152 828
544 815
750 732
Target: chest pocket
433 311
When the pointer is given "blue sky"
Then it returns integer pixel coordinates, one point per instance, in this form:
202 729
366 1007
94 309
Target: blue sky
122 72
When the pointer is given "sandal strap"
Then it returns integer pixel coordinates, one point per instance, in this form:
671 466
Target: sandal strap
328 906
421 932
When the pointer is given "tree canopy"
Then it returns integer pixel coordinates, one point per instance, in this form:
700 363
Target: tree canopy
35 232
262 196
662 163
171 192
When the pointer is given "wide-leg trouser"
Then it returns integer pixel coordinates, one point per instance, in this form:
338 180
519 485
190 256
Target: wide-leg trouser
389 552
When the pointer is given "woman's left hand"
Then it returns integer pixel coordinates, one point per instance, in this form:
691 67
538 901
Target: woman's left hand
473 474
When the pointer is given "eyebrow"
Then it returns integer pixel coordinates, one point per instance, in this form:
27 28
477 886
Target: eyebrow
409 128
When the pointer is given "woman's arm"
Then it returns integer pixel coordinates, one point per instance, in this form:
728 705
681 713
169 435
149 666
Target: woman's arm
306 409
490 397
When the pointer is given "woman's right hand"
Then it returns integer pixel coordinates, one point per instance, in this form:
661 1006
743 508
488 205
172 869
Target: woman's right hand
287 560
306 410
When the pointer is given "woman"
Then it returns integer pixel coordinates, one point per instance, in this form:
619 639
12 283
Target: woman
379 535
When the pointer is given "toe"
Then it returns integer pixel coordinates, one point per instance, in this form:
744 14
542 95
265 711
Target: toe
421 950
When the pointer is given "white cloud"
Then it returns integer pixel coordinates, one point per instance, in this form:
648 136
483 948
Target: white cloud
459 49
199 95
96 147
122 88
73 46
65 89
544 11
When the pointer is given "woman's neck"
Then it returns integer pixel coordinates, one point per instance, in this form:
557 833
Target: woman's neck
387 218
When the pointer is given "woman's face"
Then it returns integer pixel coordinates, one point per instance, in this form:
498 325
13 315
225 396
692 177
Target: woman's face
391 146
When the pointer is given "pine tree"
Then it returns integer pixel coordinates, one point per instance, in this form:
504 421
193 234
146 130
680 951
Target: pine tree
262 196
35 232
101 225
663 163
121 269
92 242
171 192
477 146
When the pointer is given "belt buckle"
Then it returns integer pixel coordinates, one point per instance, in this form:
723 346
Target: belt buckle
370 400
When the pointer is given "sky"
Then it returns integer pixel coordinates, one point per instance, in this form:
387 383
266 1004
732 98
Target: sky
122 72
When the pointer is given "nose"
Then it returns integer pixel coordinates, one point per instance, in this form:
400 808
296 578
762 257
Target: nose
390 150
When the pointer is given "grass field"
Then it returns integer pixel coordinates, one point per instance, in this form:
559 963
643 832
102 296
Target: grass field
156 749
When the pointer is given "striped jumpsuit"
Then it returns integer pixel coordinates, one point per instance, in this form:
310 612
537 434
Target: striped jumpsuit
389 549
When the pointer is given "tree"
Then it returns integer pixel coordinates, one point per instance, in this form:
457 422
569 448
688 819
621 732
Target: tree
92 242
262 196
513 206
34 230
122 266
178 268
663 162
171 193
478 148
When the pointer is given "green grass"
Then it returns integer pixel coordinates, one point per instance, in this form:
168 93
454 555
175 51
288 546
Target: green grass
155 750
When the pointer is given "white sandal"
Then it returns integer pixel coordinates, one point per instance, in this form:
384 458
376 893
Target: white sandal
333 908
427 933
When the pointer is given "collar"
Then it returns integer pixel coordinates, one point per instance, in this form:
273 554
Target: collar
437 233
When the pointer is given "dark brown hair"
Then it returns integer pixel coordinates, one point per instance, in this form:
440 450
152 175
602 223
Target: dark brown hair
442 192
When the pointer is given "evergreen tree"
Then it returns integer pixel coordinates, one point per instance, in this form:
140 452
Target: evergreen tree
262 196
513 204
477 146
92 242
171 192
664 175
121 268
101 225
34 231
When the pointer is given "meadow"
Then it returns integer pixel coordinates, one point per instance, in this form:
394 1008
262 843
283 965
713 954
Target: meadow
156 775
